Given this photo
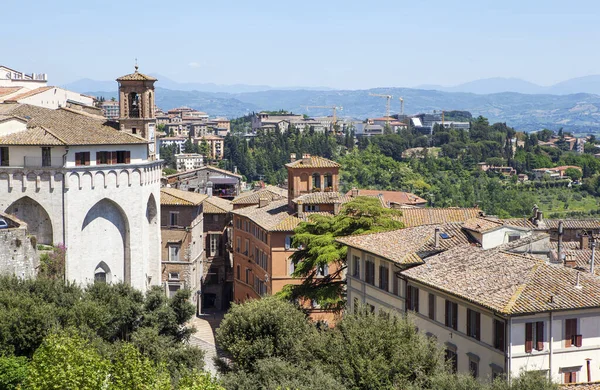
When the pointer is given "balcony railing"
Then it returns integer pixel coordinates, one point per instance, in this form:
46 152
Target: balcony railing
39 162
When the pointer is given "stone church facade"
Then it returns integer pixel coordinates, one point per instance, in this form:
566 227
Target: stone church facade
94 185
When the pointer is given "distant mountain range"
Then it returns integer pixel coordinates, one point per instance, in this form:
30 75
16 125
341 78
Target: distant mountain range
579 113
586 84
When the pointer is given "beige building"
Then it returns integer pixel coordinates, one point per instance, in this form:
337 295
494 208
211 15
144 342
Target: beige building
216 146
188 161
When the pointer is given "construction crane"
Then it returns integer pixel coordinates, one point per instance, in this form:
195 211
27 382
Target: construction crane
401 106
387 105
333 108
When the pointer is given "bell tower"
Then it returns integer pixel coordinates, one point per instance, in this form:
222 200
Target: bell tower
136 107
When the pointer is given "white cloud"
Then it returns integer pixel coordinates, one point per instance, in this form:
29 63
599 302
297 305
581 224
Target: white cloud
194 64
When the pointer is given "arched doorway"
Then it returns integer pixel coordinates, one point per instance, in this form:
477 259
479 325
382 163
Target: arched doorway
35 216
105 223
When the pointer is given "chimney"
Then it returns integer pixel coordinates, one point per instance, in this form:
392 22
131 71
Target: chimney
209 189
593 259
560 238
570 261
354 192
584 241
263 202
300 209
305 158
540 216
292 157
535 213
577 284
436 239
235 169
336 208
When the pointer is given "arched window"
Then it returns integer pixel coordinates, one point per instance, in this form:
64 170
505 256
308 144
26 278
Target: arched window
134 105
102 273
328 179
316 181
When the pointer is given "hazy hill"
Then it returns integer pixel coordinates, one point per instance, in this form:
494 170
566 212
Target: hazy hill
577 112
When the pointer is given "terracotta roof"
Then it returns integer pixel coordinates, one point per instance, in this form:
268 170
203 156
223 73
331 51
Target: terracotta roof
70 127
486 224
31 136
27 94
572 223
174 197
273 217
428 216
8 90
136 76
322 198
269 192
313 162
398 197
216 205
409 245
506 282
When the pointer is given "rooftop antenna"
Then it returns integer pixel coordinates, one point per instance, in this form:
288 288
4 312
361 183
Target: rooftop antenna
136 65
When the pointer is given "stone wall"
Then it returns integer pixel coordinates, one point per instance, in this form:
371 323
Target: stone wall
18 250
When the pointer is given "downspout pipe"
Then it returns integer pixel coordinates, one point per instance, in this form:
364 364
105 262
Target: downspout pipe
64 189
551 349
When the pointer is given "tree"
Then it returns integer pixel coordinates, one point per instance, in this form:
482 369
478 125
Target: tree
573 173
317 248
131 370
265 328
204 148
13 371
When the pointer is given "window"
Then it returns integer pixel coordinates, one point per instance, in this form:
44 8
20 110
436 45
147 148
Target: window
452 359
513 237
499 331
316 181
288 242
214 245
311 207
474 368
4 160
46 157
473 324
173 252
323 270
238 244
370 271
384 277
123 156
534 336
451 315
396 287
103 158
291 267
431 306
570 377
173 288
238 223
247 275
356 266
239 272
82 158
246 247
412 298
571 336
173 217
328 179
173 275
215 217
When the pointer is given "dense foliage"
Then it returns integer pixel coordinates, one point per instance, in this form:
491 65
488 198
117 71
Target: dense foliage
364 351
451 178
102 326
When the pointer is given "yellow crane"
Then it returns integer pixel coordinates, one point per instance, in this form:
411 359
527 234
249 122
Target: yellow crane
443 113
333 108
387 104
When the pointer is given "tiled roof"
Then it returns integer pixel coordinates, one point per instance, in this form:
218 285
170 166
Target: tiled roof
269 192
322 198
136 76
174 197
409 245
313 162
31 136
572 223
216 205
429 216
507 283
273 217
487 224
581 386
27 94
8 90
69 127
398 197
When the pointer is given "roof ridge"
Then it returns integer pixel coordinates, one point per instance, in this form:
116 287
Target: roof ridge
517 294
52 134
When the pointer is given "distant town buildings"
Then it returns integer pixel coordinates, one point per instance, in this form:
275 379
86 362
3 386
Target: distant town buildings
208 180
188 161
110 109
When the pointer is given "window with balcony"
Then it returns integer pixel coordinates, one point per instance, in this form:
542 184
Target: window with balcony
4 160
82 158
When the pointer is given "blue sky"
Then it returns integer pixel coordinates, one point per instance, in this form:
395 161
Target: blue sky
341 44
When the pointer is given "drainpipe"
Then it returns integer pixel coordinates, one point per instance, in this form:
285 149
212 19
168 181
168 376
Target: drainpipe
509 360
593 260
64 230
560 240
551 346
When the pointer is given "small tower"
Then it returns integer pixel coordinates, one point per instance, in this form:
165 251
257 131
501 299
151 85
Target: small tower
136 105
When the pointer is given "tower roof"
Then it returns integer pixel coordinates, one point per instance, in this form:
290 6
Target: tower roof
136 76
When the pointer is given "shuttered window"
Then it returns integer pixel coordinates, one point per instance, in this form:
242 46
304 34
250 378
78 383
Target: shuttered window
571 336
370 271
412 298
82 158
473 324
451 315
499 329
431 306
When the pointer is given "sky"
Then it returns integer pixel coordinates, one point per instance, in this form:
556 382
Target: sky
339 44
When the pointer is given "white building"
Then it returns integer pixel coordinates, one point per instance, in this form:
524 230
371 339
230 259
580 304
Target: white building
188 161
76 180
496 312
168 141
14 78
